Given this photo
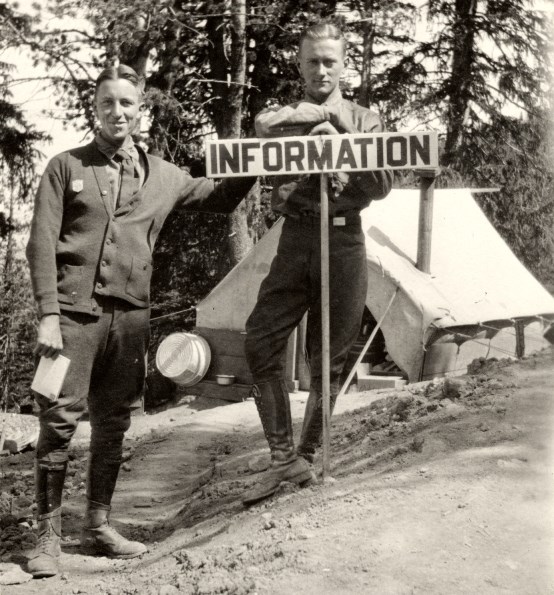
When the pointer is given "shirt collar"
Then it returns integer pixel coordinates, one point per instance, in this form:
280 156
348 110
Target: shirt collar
333 99
110 150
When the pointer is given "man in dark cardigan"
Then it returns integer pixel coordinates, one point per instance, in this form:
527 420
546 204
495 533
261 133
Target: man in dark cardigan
98 212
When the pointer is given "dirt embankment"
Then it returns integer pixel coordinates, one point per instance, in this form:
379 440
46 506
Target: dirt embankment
445 487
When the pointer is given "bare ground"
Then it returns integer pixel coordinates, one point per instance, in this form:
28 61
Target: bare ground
439 488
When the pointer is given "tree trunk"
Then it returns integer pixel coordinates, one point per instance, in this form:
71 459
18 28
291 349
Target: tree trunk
228 115
461 76
239 240
135 54
367 54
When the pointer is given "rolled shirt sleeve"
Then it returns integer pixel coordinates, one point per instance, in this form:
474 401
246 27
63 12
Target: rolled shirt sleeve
291 120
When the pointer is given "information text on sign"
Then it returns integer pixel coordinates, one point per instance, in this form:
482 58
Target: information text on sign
318 154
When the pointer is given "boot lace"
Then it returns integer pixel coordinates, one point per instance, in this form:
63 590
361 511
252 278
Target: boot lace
107 533
44 542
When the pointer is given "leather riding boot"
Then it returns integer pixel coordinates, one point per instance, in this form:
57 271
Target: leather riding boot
49 479
273 404
99 537
312 428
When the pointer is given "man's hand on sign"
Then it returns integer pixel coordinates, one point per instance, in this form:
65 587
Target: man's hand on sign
323 128
49 340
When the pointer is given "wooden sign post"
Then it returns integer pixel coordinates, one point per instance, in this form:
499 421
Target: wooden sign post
323 154
325 332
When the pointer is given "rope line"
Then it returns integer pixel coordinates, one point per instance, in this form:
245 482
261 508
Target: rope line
366 346
173 314
505 330
482 343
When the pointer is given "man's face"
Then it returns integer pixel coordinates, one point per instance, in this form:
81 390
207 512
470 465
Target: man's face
118 105
321 62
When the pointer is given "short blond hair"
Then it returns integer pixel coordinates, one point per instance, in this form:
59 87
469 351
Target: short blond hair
322 31
114 73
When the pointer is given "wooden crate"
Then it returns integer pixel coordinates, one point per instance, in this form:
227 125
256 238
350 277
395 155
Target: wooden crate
227 353
209 388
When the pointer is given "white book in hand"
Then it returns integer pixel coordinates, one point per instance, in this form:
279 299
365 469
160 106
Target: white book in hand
49 377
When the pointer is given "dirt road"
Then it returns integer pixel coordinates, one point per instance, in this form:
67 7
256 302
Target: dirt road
440 488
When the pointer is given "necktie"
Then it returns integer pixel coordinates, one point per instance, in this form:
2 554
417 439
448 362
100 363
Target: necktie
129 178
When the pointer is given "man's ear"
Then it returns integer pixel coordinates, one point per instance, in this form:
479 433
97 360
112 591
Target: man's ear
96 117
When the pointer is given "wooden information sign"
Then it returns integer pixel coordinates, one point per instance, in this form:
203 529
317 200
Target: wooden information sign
295 155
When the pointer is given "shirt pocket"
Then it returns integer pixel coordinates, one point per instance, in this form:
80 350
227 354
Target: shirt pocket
138 283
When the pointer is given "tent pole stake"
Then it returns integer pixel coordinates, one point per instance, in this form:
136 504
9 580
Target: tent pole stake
325 334
366 346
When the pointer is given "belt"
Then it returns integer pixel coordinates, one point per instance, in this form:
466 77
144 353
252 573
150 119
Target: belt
337 220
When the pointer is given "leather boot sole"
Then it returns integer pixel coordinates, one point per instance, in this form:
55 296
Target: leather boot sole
113 546
43 573
95 552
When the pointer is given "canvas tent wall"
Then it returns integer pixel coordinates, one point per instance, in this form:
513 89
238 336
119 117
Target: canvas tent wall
478 300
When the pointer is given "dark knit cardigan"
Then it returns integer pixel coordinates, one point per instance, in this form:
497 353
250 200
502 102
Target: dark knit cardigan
80 247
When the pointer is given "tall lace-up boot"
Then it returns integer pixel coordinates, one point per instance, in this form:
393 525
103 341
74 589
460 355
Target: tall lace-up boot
312 428
49 478
272 402
98 537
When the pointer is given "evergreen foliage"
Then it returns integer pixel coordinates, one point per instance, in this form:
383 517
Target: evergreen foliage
481 76
17 175
517 156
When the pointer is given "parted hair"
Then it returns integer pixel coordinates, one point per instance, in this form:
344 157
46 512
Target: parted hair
113 73
322 30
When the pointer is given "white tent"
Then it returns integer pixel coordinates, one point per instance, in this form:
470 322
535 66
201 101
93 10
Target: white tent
478 300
